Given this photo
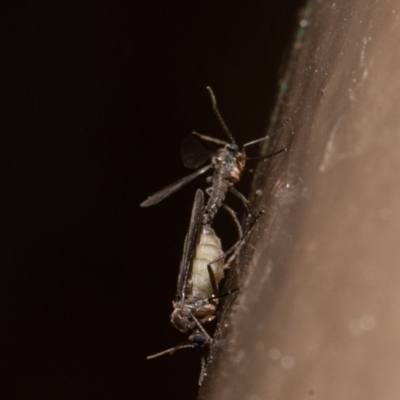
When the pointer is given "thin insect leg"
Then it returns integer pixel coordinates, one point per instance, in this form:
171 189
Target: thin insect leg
203 331
243 199
213 281
235 219
238 245
219 117
203 367
232 249
172 350
233 256
210 139
231 212
267 137
240 234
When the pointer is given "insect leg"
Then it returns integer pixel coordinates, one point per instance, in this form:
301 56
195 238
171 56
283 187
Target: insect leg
218 115
203 366
243 199
240 233
236 247
233 213
213 281
185 345
210 139
207 337
235 219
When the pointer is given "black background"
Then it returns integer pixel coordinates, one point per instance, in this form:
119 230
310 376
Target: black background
98 97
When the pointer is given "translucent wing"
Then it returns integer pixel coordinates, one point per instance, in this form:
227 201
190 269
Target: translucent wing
168 190
195 152
190 244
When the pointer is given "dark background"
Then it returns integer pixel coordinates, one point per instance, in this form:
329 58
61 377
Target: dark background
98 98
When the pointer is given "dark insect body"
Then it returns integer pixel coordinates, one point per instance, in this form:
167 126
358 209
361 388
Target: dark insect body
227 162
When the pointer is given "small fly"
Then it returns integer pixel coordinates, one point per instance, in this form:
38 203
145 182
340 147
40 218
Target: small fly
227 161
200 273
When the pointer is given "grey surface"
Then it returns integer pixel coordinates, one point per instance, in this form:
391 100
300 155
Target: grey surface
318 315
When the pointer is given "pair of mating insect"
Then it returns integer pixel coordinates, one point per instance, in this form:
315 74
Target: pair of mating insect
202 265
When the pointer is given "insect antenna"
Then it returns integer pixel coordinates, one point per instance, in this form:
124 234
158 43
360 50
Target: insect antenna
268 156
219 117
267 137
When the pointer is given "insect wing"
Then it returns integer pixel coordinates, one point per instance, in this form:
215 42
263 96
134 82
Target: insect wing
190 243
168 190
194 152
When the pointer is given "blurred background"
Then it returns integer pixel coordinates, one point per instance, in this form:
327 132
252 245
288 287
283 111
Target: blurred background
98 97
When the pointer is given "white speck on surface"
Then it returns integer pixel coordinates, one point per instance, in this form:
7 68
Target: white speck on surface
304 23
362 325
236 359
275 354
352 96
330 147
363 63
287 362
368 322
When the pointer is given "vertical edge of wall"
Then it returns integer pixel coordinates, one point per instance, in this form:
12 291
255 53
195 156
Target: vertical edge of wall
318 312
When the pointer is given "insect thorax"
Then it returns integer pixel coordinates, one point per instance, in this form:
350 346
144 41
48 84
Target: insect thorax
228 164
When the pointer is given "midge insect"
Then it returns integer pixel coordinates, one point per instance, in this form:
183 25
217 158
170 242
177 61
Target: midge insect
197 290
201 270
228 163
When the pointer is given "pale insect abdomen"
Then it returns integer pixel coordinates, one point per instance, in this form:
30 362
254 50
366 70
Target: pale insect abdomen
207 250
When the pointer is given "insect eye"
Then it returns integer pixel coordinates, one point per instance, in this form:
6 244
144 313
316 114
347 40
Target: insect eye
197 337
179 321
